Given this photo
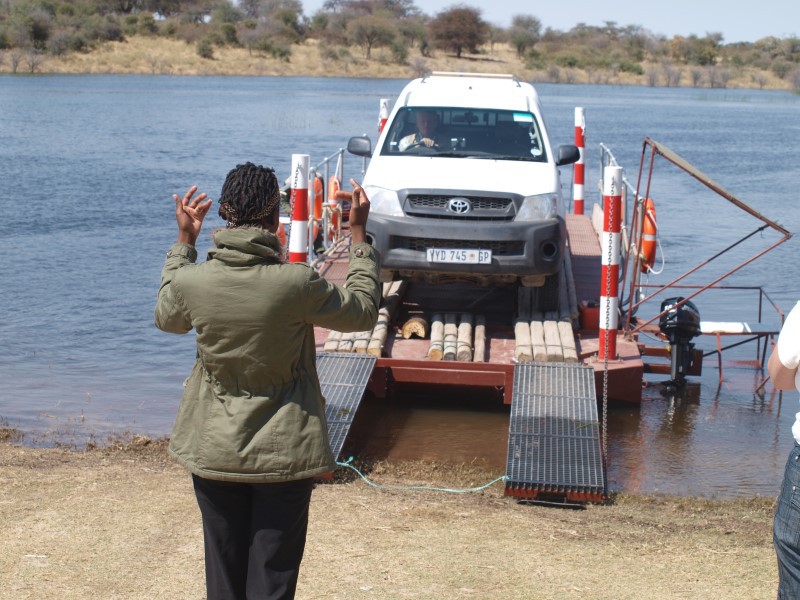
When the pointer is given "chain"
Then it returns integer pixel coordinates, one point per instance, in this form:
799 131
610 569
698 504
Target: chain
607 321
295 183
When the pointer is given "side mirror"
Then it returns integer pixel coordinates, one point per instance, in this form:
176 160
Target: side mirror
568 154
361 146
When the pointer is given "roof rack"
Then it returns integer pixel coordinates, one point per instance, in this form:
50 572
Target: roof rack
486 75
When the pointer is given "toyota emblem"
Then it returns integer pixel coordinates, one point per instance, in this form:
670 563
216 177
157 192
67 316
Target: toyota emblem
459 206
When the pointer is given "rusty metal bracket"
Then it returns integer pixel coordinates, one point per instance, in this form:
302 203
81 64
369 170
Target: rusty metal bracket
657 149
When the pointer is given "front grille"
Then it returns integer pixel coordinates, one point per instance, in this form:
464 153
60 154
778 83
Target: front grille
484 208
438 201
498 248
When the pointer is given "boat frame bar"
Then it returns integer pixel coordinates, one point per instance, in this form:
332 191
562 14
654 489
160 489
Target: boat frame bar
657 149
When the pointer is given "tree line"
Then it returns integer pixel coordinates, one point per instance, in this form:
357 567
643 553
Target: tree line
33 29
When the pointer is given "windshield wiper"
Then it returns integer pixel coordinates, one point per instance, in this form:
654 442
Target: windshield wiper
473 154
488 155
515 157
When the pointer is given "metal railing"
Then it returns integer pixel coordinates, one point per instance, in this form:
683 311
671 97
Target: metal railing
634 257
639 293
607 159
330 233
329 223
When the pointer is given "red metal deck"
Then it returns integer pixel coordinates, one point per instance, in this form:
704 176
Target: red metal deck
405 360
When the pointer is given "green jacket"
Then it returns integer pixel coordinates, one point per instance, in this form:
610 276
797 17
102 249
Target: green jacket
252 409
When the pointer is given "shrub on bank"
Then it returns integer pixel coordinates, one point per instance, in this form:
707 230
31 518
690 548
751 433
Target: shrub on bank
205 49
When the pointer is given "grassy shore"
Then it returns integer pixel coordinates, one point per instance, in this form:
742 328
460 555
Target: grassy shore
121 522
152 55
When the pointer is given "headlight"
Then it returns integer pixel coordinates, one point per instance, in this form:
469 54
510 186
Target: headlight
538 208
383 202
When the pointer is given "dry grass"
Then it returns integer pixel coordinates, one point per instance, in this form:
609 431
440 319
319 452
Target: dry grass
121 522
170 57
153 55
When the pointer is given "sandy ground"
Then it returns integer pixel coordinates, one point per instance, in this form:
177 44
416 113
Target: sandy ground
122 522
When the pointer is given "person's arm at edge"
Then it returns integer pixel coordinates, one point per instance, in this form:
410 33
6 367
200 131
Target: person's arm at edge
782 378
359 213
170 312
784 360
353 307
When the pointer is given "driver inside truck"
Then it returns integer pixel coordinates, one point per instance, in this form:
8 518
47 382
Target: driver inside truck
427 133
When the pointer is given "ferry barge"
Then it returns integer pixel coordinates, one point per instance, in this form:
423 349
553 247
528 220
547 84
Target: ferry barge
559 352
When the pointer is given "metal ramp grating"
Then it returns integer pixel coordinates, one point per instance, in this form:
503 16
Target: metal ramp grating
343 378
554 434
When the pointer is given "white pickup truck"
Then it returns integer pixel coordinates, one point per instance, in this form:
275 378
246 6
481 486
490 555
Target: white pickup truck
464 185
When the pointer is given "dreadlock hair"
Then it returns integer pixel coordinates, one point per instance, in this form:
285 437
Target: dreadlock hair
249 194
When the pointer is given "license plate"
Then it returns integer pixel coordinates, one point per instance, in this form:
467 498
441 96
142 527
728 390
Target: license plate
459 256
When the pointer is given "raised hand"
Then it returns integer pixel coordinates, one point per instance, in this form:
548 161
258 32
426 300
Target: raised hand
359 212
189 213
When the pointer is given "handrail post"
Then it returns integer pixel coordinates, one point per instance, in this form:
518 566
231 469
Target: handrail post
609 278
298 236
578 168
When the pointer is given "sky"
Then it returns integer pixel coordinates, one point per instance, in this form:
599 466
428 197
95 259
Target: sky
779 18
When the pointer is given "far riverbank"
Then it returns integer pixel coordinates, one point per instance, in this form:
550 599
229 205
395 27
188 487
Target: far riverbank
161 56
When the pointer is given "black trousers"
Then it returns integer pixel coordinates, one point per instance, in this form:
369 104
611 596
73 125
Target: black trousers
254 535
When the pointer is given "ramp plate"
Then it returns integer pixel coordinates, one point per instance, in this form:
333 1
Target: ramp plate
554 448
343 378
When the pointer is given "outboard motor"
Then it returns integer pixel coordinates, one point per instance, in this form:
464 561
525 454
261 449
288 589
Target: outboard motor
679 324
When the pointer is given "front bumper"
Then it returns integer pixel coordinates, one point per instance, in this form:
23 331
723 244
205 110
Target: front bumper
518 249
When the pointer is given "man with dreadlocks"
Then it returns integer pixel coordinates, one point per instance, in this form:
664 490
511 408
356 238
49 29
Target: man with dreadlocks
251 424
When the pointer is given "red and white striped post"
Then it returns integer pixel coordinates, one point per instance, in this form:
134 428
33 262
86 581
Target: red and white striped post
383 114
578 171
298 236
609 278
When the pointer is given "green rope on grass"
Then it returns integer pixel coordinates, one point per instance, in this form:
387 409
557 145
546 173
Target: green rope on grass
348 465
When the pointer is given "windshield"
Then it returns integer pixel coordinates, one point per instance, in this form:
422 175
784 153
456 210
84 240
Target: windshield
465 133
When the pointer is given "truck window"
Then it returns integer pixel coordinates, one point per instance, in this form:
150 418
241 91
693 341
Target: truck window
465 132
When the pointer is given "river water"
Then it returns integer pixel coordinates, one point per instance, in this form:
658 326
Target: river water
88 165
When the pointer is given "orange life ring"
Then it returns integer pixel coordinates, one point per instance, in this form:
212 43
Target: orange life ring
333 187
281 233
649 233
319 192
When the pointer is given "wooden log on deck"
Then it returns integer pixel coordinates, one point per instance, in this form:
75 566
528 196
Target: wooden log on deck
552 342
436 350
393 294
522 339
415 326
464 340
361 341
377 341
479 354
332 343
522 329
538 348
346 343
450 336
568 341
